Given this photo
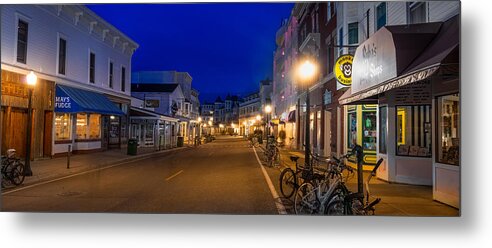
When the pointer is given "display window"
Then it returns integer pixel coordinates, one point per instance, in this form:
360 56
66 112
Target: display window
94 126
352 129
369 131
448 129
81 123
63 126
413 130
383 128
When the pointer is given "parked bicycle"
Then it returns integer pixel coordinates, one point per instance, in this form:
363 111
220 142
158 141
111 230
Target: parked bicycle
312 196
354 203
253 141
291 180
12 169
272 153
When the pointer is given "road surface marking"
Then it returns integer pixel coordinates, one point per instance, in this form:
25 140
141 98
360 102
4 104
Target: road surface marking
276 198
171 177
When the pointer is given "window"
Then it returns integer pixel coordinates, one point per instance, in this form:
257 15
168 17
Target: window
353 33
448 129
413 131
330 56
381 15
63 126
383 128
328 11
352 129
123 78
22 32
92 67
369 130
111 75
94 126
417 12
62 55
81 131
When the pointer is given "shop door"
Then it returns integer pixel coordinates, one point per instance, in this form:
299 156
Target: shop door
14 125
327 148
105 132
48 135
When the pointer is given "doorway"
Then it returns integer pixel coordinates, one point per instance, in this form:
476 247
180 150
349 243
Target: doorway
327 148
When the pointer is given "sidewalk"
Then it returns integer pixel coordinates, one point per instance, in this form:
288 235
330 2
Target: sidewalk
396 199
49 169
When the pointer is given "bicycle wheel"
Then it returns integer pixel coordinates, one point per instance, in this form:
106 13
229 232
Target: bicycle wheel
17 174
288 182
305 200
335 207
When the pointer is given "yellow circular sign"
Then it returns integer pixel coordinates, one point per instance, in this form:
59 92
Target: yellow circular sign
343 69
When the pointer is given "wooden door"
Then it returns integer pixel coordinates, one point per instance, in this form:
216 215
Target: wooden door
14 121
48 133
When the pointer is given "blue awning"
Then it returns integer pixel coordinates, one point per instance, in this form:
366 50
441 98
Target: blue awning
73 100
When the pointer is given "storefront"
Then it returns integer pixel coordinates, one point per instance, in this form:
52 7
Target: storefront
85 120
13 115
152 129
414 86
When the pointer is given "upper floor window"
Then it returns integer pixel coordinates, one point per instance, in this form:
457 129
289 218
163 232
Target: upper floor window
62 55
111 75
353 33
123 78
92 67
328 11
381 15
417 12
22 32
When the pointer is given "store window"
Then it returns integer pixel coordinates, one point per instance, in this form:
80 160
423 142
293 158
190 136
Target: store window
369 135
448 129
94 126
352 129
63 126
383 128
81 132
413 131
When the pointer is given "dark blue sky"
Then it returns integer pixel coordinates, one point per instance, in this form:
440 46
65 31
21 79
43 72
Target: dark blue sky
224 47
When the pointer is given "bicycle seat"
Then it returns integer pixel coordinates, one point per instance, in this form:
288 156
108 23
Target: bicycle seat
294 158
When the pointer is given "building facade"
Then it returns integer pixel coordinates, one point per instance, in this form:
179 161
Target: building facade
410 118
83 66
249 109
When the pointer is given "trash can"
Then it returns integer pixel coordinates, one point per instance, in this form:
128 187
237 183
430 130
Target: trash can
180 141
132 147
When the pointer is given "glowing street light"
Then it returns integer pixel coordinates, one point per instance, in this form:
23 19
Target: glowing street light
199 119
32 79
268 109
258 118
306 73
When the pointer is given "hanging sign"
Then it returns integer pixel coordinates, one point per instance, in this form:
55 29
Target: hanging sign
343 69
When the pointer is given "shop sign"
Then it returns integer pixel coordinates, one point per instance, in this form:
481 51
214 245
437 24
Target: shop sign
14 89
343 69
63 103
327 97
374 61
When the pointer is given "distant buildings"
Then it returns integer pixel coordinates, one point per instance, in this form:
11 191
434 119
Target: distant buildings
169 93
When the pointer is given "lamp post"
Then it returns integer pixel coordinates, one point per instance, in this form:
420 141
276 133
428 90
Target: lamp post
306 72
31 82
268 110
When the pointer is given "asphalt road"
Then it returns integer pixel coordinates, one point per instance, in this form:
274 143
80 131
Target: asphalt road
222 177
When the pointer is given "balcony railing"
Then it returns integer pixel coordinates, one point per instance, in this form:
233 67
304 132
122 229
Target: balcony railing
311 44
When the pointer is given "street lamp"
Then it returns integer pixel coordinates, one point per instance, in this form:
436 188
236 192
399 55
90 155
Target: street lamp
306 73
31 82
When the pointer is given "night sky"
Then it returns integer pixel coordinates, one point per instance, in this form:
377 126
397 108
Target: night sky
226 48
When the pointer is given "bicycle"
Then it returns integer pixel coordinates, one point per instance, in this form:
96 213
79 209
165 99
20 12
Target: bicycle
12 169
290 180
349 203
272 153
312 197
